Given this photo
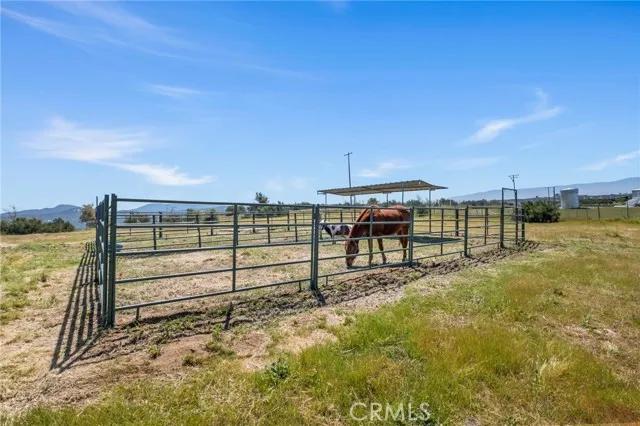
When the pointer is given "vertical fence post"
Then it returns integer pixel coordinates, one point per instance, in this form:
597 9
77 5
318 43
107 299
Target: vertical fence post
441 230
502 227
160 220
235 247
486 224
198 225
430 214
315 224
95 251
598 211
515 212
268 230
153 221
370 240
457 224
104 248
111 314
341 220
253 220
466 231
412 213
522 236
628 209
288 221
295 225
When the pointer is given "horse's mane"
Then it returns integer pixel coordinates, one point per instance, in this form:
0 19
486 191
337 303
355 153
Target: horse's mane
363 212
360 219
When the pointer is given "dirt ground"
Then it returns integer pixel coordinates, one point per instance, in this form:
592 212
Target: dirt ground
55 354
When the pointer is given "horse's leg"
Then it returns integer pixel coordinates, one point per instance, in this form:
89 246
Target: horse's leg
370 251
404 240
381 247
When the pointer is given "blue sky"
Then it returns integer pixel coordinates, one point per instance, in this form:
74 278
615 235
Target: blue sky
215 101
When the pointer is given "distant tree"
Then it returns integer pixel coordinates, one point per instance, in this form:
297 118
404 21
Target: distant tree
30 225
261 198
211 215
415 203
58 225
137 218
12 212
540 211
88 215
446 202
373 201
229 210
191 215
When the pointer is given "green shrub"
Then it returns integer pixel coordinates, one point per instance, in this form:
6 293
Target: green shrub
30 225
540 211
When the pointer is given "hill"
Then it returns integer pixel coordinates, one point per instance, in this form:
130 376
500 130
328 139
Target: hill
67 212
71 213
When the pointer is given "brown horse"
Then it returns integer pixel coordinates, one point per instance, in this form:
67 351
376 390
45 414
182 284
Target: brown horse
379 228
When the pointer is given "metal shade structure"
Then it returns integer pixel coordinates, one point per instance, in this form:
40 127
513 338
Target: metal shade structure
384 188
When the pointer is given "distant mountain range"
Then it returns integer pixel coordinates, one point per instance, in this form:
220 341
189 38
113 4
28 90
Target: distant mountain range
71 213
622 186
67 212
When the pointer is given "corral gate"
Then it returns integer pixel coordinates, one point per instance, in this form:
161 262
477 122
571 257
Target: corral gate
136 247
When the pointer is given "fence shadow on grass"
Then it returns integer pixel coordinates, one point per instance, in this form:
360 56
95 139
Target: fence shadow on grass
80 325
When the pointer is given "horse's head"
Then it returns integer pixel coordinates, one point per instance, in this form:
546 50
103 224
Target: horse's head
352 248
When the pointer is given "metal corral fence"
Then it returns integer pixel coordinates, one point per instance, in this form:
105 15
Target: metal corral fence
598 212
148 259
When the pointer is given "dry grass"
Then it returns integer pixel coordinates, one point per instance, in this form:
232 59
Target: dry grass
544 338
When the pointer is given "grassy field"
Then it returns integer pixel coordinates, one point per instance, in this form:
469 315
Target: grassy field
27 263
547 337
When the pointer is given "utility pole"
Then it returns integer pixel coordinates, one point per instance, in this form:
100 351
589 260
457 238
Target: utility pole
348 155
513 180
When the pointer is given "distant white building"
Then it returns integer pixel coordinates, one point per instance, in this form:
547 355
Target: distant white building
635 198
569 198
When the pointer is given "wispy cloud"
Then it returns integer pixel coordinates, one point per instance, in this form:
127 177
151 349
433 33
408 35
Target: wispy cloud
106 23
63 139
472 163
162 175
67 140
494 128
614 161
384 168
175 92
45 25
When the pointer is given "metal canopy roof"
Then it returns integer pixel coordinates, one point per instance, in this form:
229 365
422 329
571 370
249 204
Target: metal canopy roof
384 188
